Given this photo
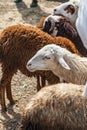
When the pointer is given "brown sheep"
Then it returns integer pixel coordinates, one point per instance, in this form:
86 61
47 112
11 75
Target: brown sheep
18 44
56 107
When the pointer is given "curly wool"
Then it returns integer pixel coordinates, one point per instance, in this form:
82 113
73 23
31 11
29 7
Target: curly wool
18 43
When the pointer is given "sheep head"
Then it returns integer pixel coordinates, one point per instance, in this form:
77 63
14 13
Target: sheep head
68 9
48 58
59 26
49 24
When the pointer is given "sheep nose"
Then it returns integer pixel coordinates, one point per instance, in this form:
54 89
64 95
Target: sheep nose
29 64
54 10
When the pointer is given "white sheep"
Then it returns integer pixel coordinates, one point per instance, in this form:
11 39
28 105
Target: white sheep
56 107
81 22
68 9
69 67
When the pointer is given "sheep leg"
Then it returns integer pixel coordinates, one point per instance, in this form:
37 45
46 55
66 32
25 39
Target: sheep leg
43 81
38 83
5 85
3 99
2 89
9 92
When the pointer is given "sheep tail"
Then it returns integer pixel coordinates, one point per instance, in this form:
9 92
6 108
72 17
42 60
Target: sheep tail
84 94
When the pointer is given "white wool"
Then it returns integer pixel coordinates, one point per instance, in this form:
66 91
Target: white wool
81 23
64 64
61 10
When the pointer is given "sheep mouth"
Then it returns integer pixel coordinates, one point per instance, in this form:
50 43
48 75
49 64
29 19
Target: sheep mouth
31 69
58 14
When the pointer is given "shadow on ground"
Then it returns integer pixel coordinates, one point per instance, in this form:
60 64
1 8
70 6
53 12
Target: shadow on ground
11 119
33 14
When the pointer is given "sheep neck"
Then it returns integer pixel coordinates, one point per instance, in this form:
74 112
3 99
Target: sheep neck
78 72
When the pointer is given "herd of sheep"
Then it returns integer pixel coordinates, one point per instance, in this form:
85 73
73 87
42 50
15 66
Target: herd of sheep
55 53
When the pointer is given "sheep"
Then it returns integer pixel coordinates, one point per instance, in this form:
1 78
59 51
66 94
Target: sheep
18 43
81 22
68 9
57 25
56 107
61 26
69 67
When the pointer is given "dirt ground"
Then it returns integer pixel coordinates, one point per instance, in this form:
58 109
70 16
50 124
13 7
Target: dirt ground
23 87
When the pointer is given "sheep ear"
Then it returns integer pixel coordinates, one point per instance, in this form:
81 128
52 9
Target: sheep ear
63 63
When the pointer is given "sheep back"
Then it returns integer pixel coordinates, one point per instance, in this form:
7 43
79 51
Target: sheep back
21 41
59 107
66 43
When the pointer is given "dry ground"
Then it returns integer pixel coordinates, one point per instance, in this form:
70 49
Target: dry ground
23 87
